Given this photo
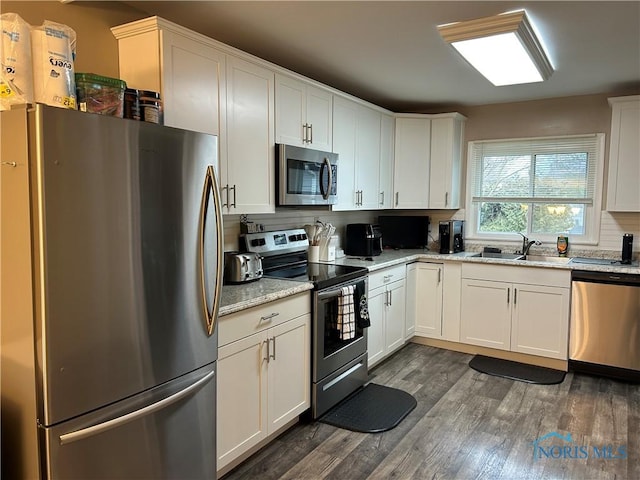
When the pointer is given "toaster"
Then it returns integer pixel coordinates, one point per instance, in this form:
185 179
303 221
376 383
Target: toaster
242 267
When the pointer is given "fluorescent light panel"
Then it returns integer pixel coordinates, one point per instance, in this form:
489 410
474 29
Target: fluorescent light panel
503 48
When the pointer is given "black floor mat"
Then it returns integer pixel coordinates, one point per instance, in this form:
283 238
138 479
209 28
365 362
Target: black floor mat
516 371
372 409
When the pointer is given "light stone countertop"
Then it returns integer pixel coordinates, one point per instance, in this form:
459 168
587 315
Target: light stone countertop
389 258
246 295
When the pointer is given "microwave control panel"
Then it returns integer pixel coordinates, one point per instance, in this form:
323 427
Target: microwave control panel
276 243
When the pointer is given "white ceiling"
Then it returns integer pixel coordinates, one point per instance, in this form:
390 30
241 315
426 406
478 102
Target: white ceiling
390 52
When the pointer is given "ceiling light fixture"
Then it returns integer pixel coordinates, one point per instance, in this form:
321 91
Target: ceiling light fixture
503 48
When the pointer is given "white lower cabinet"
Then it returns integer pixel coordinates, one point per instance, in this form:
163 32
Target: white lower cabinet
520 309
433 300
263 373
386 298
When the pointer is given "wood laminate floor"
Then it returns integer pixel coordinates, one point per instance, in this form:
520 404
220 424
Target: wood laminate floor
469 425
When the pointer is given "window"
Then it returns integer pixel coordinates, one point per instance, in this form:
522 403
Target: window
540 187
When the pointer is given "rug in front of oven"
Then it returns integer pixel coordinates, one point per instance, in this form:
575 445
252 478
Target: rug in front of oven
372 409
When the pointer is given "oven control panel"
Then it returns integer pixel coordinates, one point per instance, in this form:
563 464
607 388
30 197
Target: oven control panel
276 243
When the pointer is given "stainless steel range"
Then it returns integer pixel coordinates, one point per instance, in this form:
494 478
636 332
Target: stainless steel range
339 359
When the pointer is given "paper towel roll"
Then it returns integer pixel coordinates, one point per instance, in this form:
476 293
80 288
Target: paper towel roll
16 76
53 49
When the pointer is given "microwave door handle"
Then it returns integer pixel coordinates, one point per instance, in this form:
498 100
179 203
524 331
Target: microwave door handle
330 180
325 192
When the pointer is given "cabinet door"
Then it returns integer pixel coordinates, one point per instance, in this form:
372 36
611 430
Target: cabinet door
411 169
394 318
368 157
241 397
623 194
289 371
411 301
375 333
444 176
387 132
250 137
486 313
290 111
428 296
193 84
345 113
540 320
319 115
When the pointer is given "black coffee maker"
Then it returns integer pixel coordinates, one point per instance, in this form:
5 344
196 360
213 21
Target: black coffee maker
452 236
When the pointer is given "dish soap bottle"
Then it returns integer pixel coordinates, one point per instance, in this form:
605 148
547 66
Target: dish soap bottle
562 245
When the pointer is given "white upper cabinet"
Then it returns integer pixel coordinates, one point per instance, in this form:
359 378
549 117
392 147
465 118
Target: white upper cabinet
368 158
182 65
304 114
623 194
345 121
357 139
387 133
205 89
447 137
248 175
411 169
428 156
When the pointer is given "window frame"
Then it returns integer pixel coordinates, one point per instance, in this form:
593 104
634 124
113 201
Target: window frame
593 211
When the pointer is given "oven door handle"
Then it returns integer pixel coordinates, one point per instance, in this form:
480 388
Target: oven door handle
327 294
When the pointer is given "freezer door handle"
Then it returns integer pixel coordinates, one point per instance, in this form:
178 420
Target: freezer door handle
211 186
149 409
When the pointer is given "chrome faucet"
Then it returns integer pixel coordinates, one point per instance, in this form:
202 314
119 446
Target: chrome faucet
526 244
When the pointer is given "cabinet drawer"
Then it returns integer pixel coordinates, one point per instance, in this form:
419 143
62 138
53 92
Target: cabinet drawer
549 277
247 322
386 276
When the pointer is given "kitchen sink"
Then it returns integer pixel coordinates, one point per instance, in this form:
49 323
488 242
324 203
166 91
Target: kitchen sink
503 256
545 259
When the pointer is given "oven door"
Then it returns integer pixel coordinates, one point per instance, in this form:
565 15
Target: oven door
330 351
306 177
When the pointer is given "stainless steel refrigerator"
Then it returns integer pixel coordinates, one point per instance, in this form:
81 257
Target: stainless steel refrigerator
111 274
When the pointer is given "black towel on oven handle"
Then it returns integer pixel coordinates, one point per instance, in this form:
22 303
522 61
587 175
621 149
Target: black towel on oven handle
362 311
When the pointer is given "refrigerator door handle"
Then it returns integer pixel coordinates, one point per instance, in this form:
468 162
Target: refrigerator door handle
116 422
211 185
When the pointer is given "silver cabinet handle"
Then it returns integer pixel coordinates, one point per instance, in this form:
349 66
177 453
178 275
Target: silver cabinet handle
446 198
311 133
274 347
508 294
304 132
390 297
225 189
234 197
268 355
397 198
210 185
268 318
382 198
515 296
129 417
439 275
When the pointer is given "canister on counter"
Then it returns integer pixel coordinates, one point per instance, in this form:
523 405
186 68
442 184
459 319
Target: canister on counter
562 245
132 104
150 106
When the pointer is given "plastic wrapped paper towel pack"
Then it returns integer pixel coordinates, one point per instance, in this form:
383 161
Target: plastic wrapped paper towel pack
16 77
53 47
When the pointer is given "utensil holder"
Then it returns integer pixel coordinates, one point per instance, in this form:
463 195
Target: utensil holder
313 255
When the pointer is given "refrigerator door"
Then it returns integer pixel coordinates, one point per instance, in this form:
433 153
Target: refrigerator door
128 248
167 432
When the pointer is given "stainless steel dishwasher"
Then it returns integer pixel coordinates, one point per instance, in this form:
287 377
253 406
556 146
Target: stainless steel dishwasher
605 324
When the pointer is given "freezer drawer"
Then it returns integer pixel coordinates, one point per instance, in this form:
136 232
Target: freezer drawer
167 432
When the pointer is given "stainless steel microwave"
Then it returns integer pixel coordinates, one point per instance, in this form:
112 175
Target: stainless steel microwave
306 176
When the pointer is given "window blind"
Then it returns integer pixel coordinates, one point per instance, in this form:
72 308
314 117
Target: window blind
544 170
